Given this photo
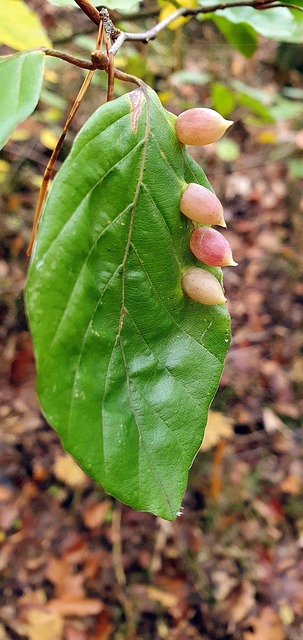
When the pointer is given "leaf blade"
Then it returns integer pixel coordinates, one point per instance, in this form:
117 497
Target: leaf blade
21 75
126 353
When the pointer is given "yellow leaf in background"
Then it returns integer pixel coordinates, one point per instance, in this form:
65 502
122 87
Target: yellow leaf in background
267 137
20 27
170 8
48 139
286 614
4 169
36 181
218 426
44 624
4 166
165 96
51 115
51 76
189 4
20 135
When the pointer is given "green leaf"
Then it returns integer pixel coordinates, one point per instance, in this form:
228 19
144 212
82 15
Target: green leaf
227 150
298 3
20 27
276 24
296 168
127 364
241 36
21 75
223 99
255 99
188 76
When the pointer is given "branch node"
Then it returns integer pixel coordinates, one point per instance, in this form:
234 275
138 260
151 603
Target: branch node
111 31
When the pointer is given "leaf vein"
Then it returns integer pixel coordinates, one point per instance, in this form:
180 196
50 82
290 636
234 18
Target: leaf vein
69 220
167 310
112 223
181 385
132 404
76 373
162 217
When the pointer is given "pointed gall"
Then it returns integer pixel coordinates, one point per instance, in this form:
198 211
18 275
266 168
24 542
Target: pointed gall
201 205
198 127
202 286
210 246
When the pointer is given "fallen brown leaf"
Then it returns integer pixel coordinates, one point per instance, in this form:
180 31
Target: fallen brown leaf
93 513
69 472
79 607
166 599
44 624
266 627
218 426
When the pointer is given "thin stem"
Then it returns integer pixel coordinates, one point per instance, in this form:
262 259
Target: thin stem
99 62
111 77
51 163
125 601
78 62
117 546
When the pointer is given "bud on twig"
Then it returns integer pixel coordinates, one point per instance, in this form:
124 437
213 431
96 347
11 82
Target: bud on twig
201 205
201 126
209 246
202 286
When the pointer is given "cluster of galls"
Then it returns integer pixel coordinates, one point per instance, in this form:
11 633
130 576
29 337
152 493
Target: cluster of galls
199 127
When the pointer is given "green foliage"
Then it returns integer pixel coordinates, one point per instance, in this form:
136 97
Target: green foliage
223 99
20 28
21 75
276 24
240 25
127 364
241 35
227 150
295 166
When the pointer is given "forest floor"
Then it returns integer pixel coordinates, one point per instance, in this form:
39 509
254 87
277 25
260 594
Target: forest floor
74 563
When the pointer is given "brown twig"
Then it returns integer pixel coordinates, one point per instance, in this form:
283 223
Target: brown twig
78 62
51 163
125 602
89 10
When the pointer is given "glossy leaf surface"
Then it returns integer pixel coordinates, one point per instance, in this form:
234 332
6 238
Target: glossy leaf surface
21 76
127 364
